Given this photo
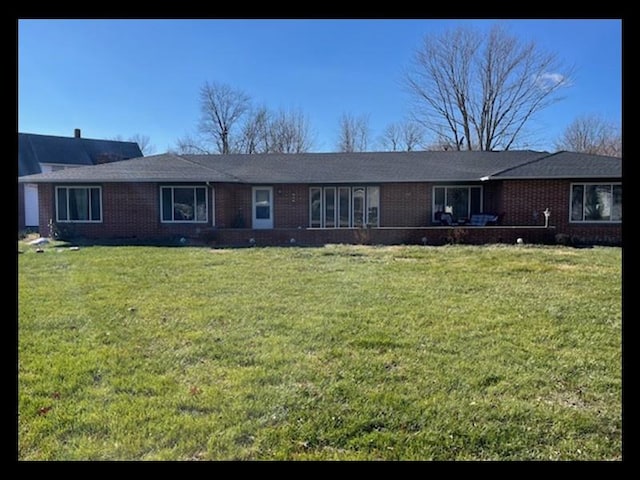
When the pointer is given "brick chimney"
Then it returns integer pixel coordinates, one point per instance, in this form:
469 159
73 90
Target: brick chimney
76 133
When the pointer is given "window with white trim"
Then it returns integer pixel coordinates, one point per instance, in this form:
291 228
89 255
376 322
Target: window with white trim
461 201
344 207
596 202
183 204
79 204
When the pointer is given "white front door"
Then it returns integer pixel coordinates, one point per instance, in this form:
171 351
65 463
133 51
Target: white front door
262 207
31 205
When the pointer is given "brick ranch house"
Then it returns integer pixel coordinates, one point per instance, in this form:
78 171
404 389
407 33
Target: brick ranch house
318 198
49 153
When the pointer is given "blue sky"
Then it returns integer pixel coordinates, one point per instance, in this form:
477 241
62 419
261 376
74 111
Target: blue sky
126 77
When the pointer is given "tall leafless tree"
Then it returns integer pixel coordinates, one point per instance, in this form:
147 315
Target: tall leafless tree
390 138
354 133
230 124
221 107
402 136
275 132
289 132
479 90
254 136
591 133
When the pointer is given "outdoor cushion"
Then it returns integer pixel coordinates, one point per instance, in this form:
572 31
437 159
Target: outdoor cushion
481 219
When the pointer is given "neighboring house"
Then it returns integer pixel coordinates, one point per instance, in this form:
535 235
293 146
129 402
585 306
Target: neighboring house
46 153
318 198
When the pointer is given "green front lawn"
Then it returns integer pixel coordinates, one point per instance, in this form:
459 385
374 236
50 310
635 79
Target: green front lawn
341 352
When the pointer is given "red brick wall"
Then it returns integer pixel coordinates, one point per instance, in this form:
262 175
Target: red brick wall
291 206
129 210
232 202
132 210
523 202
405 204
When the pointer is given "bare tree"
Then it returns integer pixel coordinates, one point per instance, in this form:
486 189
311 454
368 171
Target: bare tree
229 124
190 144
479 90
412 135
591 134
289 132
220 107
402 136
279 132
143 141
390 139
254 137
354 133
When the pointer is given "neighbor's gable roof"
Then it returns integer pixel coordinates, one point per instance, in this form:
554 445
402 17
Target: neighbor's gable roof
339 168
35 149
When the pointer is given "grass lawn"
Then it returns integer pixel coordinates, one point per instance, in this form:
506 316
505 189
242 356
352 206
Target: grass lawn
341 352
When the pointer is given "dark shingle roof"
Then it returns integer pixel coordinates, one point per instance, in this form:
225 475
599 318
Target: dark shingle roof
325 168
155 168
34 149
567 165
363 166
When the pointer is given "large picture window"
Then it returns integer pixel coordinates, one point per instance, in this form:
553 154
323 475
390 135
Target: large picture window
596 202
458 200
79 204
184 204
344 207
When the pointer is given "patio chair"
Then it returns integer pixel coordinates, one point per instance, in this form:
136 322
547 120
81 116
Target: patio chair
446 219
